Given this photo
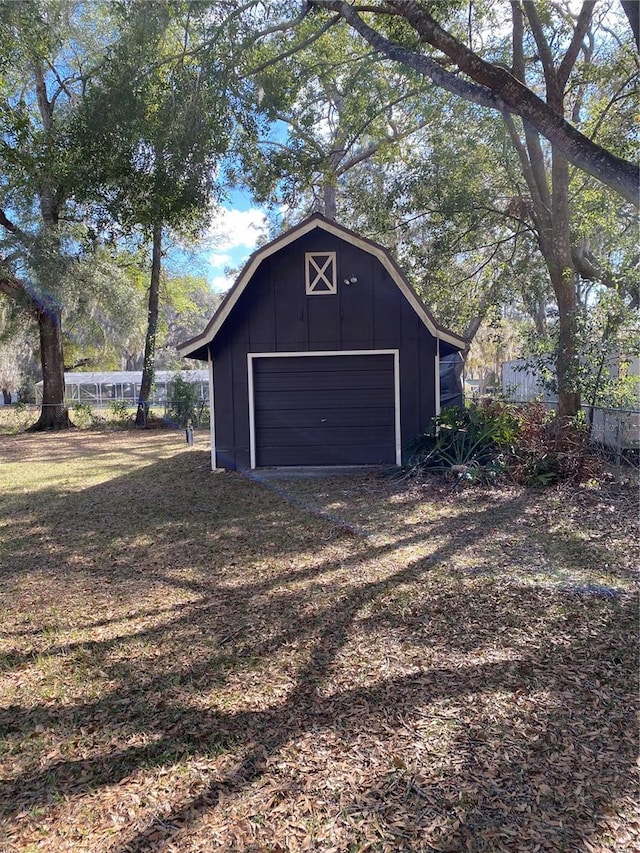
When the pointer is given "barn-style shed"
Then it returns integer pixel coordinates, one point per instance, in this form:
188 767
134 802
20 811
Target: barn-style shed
320 354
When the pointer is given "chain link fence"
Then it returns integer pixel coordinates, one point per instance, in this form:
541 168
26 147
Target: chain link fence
616 434
117 413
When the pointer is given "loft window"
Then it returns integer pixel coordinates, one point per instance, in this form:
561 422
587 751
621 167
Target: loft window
320 273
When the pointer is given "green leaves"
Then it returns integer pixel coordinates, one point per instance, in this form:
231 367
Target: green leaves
493 441
154 121
338 106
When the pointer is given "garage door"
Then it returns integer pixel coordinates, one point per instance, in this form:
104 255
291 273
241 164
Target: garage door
324 410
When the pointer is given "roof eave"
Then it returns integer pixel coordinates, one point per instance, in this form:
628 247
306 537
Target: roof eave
188 348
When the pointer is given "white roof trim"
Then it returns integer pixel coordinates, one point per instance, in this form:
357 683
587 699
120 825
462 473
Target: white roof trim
291 236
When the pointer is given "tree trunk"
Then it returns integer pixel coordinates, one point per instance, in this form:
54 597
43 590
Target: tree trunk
54 413
566 356
632 11
152 328
330 204
6 396
563 279
550 199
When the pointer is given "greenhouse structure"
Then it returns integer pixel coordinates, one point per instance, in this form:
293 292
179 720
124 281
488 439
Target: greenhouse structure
103 388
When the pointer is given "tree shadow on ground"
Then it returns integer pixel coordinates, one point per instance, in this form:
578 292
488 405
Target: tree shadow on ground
413 706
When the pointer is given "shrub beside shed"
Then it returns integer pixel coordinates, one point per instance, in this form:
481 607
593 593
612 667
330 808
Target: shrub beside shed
320 354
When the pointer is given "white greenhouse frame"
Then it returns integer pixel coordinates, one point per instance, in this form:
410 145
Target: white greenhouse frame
102 388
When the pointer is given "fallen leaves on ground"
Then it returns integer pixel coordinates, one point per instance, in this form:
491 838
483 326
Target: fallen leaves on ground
195 661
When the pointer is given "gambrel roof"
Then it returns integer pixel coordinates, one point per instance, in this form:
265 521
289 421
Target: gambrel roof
197 347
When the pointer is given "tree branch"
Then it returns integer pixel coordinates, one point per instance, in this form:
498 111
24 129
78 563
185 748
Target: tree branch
554 93
16 290
9 225
532 159
295 49
44 104
588 268
581 28
493 87
418 61
62 84
396 136
541 206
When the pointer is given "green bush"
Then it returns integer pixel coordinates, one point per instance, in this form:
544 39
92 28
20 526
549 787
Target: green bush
27 390
184 407
120 411
16 418
469 443
82 415
492 440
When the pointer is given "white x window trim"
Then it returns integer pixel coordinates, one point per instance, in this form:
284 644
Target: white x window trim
320 277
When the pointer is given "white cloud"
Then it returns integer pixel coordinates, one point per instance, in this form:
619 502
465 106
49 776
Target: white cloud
220 260
230 239
220 282
234 229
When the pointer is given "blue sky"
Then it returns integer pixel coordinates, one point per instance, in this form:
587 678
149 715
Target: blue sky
226 244
232 236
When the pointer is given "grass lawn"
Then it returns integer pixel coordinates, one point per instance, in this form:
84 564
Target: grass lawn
206 662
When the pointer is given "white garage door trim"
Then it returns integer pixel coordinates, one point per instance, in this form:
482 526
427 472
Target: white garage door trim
396 381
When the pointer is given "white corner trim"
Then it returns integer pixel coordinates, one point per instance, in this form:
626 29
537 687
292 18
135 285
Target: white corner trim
396 379
212 413
437 377
252 411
